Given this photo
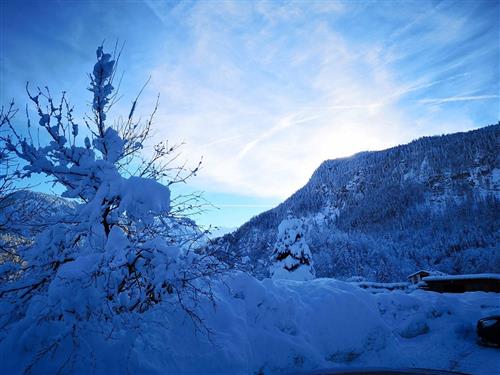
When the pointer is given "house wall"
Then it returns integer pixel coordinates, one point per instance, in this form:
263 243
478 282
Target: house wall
461 286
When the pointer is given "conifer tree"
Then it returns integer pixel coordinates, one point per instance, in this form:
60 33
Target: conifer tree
291 258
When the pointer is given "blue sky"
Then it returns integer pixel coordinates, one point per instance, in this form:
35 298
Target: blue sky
267 90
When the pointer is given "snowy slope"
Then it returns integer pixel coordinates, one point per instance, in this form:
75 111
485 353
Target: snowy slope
31 211
430 204
281 327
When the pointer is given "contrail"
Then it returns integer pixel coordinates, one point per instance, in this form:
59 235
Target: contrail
457 99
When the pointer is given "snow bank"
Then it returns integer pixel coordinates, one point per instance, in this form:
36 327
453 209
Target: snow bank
282 327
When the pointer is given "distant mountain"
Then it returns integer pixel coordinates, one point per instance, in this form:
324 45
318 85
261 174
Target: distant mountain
24 214
433 203
28 212
216 232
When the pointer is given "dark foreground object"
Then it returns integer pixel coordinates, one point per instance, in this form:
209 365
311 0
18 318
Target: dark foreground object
488 331
483 282
380 371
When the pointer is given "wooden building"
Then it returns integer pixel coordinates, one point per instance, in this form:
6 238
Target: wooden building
417 277
486 282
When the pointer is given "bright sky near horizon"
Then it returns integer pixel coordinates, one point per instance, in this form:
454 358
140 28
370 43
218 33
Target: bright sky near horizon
267 90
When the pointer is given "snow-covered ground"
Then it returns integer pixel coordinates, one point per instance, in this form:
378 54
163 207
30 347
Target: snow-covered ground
282 327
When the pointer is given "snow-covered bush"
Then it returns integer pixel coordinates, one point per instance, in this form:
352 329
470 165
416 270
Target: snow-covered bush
291 258
115 257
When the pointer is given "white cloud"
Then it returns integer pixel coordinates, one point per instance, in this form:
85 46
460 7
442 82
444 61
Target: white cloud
265 102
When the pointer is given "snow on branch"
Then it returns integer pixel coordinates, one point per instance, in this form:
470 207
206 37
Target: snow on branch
125 248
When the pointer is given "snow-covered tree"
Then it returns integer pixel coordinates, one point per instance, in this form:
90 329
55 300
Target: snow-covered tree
9 179
6 177
118 254
291 258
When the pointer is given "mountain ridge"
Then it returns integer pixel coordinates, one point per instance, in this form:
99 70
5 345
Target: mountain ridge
364 204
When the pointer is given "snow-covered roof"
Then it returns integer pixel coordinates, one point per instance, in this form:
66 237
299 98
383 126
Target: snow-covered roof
430 273
420 271
491 276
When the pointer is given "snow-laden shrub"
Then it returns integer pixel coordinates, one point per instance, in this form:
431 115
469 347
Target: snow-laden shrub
116 256
291 258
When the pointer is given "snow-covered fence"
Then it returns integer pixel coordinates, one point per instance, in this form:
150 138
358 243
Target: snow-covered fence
375 287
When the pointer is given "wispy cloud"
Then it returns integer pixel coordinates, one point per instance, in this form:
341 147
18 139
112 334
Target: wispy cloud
458 99
282 124
267 92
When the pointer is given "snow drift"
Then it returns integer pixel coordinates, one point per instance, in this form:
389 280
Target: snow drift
278 327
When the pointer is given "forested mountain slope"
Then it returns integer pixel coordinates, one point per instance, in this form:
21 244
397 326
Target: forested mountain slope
433 203
27 213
